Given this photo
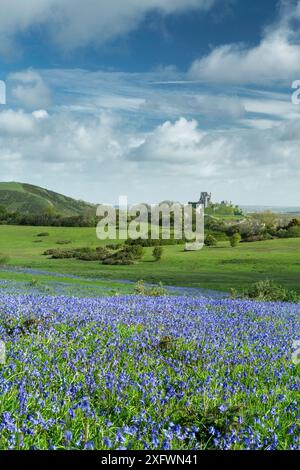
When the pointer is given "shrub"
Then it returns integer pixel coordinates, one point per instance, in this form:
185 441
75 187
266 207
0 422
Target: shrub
43 234
4 258
112 246
92 255
124 261
294 223
84 254
121 257
148 242
103 252
282 233
49 252
294 231
126 256
235 239
210 240
152 291
257 238
268 290
137 251
62 254
157 252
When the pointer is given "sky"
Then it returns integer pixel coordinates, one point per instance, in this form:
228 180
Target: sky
152 99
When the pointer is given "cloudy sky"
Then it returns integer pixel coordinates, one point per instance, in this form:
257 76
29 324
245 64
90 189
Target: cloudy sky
153 99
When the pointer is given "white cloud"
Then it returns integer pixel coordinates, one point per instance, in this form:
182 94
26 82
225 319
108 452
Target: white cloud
231 153
281 109
155 143
187 103
259 123
62 138
16 123
40 114
100 157
178 142
29 89
276 57
76 23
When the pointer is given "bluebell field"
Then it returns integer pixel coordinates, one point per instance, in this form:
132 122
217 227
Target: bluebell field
140 372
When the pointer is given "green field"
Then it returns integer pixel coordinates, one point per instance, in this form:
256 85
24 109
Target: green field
219 268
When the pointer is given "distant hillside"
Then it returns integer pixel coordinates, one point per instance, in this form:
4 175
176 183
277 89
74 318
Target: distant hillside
29 199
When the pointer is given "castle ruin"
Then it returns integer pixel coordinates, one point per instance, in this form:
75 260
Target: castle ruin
205 200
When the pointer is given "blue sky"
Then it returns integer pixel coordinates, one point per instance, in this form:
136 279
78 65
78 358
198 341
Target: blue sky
158 40
157 99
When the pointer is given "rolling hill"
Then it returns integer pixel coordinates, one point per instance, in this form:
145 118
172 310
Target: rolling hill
30 199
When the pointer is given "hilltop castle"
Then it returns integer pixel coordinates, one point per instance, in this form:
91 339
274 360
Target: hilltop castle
205 200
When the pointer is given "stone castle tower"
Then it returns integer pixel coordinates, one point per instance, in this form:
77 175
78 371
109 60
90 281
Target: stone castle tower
205 200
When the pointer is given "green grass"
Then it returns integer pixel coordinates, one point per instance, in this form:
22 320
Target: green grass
218 268
47 282
12 187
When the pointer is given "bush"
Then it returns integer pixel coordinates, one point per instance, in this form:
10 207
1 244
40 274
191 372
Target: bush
148 242
92 255
84 254
137 251
62 254
122 257
210 241
157 252
282 233
235 239
294 223
151 291
49 252
119 261
103 252
4 259
43 234
112 246
294 231
126 256
270 291
257 238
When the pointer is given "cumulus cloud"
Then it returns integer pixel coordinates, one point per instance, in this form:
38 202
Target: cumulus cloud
40 114
276 57
221 154
101 153
107 135
16 123
61 138
29 89
171 142
76 23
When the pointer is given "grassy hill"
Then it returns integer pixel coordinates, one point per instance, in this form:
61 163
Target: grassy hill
30 199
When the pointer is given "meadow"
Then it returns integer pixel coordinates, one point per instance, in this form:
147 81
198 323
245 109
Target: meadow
220 268
89 365
136 372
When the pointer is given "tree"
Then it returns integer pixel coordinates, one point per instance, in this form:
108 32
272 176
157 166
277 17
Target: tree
157 252
210 240
235 239
294 223
137 251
